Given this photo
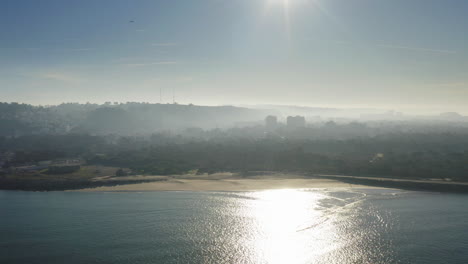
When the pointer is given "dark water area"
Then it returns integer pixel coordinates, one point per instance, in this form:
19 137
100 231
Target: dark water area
277 226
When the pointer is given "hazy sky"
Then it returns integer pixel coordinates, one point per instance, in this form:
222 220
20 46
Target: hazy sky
363 53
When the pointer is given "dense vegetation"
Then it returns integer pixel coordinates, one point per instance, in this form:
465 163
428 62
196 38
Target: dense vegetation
394 155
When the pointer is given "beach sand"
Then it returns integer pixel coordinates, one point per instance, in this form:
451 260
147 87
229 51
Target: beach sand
226 182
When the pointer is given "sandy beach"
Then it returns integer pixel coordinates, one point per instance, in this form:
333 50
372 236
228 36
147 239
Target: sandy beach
225 182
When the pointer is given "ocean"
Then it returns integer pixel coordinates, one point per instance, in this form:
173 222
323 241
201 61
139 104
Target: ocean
276 226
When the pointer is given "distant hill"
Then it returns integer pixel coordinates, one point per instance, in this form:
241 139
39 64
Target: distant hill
129 118
325 112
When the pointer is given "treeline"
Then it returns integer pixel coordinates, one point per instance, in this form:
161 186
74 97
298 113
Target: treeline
59 185
412 155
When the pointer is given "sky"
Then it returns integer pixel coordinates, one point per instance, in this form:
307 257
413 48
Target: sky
395 54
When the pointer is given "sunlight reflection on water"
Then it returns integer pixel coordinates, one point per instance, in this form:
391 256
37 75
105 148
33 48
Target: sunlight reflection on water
289 226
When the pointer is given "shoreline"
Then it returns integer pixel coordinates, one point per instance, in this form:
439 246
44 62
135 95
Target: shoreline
230 182
404 184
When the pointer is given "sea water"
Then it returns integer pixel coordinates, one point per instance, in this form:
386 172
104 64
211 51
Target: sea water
276 226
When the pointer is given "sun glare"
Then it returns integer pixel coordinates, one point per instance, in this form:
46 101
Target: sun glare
285 218
284 2
279 3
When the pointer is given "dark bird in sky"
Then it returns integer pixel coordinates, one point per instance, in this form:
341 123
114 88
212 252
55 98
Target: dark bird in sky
131 21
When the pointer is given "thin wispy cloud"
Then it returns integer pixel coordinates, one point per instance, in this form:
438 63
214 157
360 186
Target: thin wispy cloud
59 76
400 47
450 84
58 49
149 64
127 59
164 44
80 49
419 49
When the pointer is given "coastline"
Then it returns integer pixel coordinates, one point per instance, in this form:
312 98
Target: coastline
405 184
229 182
271 181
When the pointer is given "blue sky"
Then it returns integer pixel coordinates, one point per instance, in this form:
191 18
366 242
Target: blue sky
399 54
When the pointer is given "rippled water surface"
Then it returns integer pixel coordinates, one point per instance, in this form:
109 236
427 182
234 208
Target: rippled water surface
277 226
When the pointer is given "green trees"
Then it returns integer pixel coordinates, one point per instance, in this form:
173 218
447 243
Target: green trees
120 172
400 155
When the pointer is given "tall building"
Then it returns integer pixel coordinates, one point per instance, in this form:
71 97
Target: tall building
271 122
295 121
